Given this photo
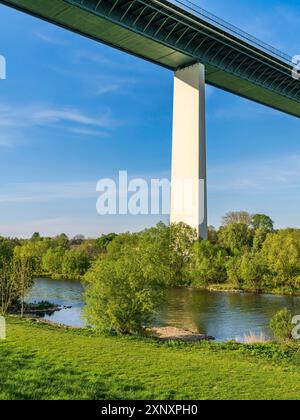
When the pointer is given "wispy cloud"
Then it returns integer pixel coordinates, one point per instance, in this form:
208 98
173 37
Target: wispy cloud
98 58
50 39
276 175
88 132
44 192
16 116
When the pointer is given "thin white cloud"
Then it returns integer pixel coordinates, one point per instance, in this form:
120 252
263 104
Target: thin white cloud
44 192
277 175
87 132
36 115
50 39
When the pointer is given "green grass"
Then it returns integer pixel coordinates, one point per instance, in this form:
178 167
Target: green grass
45 362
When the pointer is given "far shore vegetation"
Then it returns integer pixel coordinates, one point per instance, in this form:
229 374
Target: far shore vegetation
245 253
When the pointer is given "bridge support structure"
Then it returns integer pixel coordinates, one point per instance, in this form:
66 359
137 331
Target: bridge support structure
189 175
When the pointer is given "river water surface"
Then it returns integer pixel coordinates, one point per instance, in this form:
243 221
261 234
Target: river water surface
222 315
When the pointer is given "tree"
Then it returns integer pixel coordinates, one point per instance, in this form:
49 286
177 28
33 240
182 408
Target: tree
75 264
260 235
77 240
281 254
261 221
251 270
61 241
103 242
52 261
207 264
7 286
6 249
23 269
33 251
237 238
212 235
237 217
36 236
123 293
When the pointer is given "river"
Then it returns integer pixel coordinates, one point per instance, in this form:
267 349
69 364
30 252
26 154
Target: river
222 315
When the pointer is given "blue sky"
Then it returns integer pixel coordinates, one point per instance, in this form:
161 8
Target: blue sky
73 111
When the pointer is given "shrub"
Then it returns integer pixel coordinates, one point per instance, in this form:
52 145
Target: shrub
282 326
123 293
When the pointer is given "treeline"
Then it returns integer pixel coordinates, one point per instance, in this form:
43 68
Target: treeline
245 253
58 257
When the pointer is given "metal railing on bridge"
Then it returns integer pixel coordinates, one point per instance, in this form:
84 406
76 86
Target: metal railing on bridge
192 8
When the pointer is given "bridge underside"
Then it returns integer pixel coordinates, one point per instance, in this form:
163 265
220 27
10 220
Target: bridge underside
166 35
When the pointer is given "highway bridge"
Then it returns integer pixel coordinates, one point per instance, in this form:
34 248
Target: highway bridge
199 48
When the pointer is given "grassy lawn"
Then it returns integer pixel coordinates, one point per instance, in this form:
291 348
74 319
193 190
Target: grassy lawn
45 362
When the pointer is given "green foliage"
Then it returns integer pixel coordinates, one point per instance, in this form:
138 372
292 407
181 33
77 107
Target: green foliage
103 242
270 351
7 247
251 271
207 264
237 238
262 221
282 326
123 294
52 261
281 254
75 263
245 253
33 250
16 278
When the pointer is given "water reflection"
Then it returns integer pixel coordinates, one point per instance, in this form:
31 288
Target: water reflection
222 315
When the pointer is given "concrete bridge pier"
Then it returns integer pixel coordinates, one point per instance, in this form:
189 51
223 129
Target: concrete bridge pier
189 177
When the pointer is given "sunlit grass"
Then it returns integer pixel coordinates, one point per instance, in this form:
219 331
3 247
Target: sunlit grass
45 362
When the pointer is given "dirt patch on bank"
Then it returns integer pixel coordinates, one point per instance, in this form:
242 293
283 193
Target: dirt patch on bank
178 334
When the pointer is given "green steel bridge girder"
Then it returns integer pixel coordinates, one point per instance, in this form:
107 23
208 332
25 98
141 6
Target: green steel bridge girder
165 34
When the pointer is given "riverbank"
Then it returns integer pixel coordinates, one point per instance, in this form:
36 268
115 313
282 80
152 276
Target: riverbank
47 362
230 288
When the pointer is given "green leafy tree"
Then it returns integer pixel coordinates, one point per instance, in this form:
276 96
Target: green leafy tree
281 254
8 290
237 238
52 261
260 235
251 271
61 241
261 221
207 264
36 236
75 264
22 272
123 293
103 242
33 251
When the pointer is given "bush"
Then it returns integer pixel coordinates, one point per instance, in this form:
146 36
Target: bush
282 326
123 293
